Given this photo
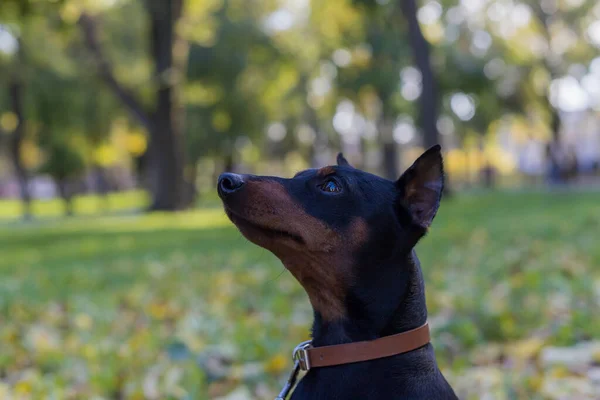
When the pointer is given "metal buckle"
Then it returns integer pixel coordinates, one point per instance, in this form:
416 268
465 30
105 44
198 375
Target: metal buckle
300 355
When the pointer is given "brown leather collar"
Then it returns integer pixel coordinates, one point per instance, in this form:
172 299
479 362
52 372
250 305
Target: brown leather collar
307 357
327 356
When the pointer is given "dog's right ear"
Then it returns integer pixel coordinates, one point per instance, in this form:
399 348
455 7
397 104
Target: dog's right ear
420 187
341 161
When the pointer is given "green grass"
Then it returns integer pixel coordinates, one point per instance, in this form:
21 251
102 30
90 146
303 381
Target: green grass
11 210
135 305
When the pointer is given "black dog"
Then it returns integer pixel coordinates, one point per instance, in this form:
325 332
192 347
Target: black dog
348 236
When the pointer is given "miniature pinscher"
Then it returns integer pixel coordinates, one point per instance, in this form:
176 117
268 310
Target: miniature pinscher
348 237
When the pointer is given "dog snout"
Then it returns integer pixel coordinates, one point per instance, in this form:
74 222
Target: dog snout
229 183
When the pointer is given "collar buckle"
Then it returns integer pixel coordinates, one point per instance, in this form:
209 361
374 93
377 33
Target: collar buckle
300 355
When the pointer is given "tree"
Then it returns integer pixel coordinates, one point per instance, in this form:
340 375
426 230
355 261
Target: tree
16 94
429 99
63 163
237 82
309 46
552 20
162 121
379 73
99 115
18 15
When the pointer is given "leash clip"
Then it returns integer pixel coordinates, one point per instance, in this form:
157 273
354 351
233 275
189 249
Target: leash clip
301 363
300 355
289 384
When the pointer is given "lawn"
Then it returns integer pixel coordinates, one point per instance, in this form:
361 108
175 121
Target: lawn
161 306
82 205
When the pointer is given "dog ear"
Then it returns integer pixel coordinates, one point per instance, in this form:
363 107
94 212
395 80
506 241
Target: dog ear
421 186
341 161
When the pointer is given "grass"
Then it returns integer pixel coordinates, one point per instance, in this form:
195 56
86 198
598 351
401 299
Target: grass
11 209
180 306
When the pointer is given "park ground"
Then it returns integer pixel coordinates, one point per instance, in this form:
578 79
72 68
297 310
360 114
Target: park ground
180 306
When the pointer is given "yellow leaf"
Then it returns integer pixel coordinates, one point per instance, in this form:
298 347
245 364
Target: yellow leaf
559 371
105 155
526 349
276 364
136 143
536 382
8 121
433 32
455 162
30 154
23 388
70 12
83 321
158 311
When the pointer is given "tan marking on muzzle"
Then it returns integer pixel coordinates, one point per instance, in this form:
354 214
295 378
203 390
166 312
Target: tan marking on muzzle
268 204
323 263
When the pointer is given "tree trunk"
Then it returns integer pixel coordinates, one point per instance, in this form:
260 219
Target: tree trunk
428 113
364 153
228 162
389 150
16 140
65 194
554 122
166 152
311 118
548 62
102 188
217 171
320 142
191 193
390 157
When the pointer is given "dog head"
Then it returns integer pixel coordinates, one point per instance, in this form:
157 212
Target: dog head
323 224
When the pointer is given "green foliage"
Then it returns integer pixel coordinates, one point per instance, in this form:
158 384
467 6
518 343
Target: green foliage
227 79
238 75
385 52
63 161
181 305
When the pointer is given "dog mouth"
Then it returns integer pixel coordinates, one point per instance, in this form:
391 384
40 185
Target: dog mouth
245 224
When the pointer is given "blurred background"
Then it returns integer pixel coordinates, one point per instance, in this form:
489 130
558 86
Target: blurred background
121 278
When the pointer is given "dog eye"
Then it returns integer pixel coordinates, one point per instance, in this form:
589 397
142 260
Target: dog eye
331 186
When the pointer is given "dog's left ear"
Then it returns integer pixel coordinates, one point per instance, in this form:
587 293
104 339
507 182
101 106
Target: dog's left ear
341 161
421 186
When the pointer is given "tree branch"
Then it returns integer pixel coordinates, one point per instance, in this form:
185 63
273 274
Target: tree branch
89 28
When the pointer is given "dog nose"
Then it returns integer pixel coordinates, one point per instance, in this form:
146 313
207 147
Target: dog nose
229 183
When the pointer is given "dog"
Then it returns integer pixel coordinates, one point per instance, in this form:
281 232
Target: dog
348 238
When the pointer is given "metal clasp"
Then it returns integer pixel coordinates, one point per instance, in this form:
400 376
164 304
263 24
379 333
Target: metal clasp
301 362
300 355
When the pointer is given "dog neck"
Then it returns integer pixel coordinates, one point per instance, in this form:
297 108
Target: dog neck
390 299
